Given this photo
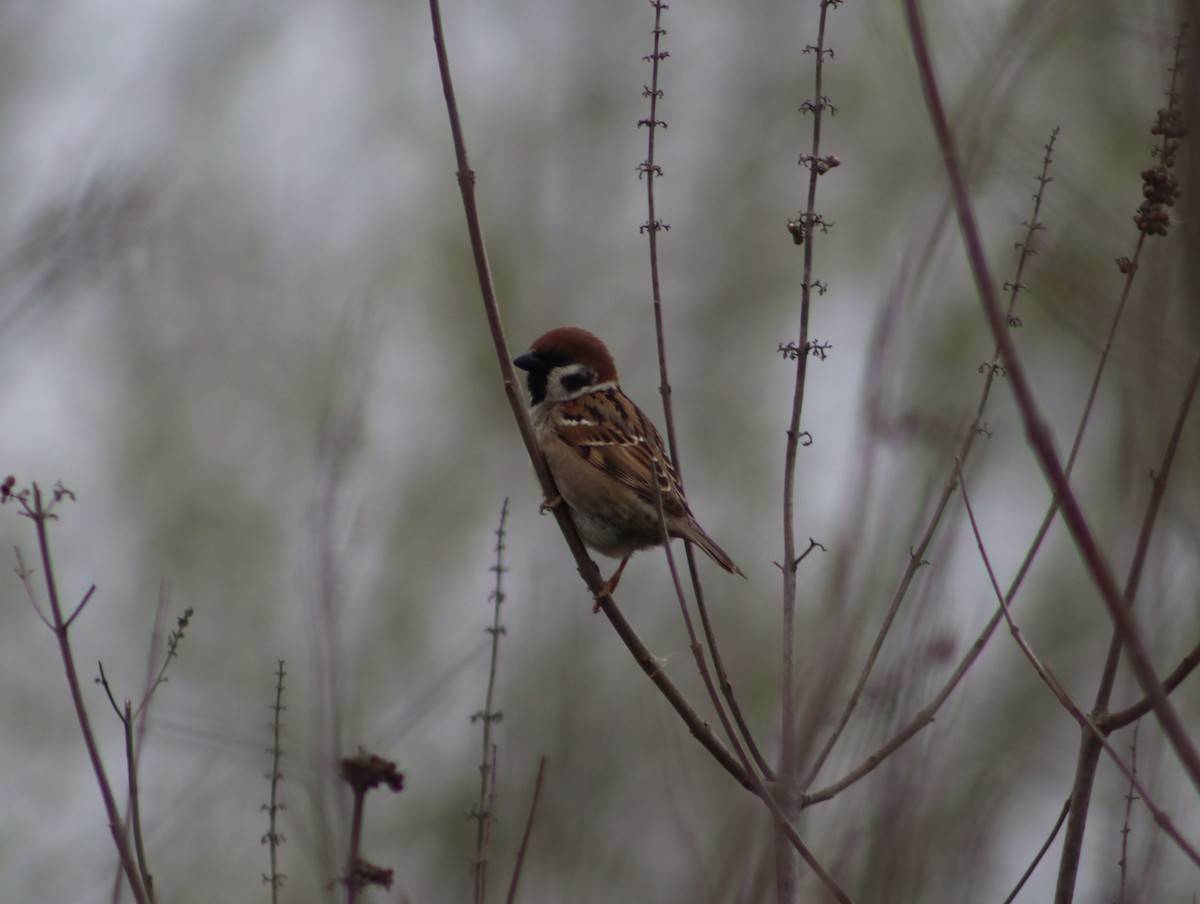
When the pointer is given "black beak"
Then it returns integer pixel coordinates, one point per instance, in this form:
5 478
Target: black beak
530 362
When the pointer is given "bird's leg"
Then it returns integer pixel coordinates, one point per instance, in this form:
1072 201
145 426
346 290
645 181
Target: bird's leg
550 505
610 585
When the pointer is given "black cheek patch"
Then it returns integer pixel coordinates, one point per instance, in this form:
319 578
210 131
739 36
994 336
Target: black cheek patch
537 386
577 380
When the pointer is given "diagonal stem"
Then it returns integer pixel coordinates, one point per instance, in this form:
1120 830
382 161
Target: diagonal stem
587 568
1037 432
40 516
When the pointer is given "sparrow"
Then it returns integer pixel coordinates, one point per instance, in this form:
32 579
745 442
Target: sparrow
604 453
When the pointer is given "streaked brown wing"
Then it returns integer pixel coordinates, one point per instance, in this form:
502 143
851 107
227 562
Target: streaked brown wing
612 434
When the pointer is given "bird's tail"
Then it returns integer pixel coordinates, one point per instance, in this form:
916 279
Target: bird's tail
697 535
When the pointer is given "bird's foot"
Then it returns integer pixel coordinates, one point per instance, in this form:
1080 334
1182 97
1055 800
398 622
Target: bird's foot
609 586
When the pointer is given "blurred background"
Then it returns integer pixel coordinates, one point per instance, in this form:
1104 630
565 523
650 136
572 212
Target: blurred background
239 319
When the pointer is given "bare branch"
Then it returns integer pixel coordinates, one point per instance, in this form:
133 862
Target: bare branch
587 568
41 514
1058 824
537 793
1037 432
1051 681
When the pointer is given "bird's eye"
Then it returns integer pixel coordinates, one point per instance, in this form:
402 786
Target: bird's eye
577 378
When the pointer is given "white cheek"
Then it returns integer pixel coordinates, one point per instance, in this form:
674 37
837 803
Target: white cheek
555 391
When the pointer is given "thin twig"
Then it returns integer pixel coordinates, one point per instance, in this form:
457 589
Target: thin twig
783 819
112 701
174 638
1110 722
520 861
274 838
1089 752
587 568
925 717
135 807
723 681
974 430
803 232
1149 520
990 369
25 576
83 602
489 807
693 640
356 821
650 171
134 724
1039 436
40 515
1058 823
1043 672
1060 692
807 227
155 675
1130 797
487 764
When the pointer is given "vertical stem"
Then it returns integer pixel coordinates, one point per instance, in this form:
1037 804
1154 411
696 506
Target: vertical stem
786 883
135 807
651 171
273 837
1037 432
487 761
1088 758
356 821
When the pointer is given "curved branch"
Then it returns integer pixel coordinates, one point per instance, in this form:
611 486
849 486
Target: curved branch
1037 432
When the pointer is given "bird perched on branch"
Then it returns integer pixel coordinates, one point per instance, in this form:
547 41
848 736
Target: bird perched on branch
608 460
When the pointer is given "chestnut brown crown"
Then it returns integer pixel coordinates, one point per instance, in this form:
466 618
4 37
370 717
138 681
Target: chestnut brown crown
565 362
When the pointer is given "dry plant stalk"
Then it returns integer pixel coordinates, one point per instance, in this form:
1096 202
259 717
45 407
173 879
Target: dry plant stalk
363 773
273 838
587 568
1038 433
734 764
482 812
41 514
1152 219
781 791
